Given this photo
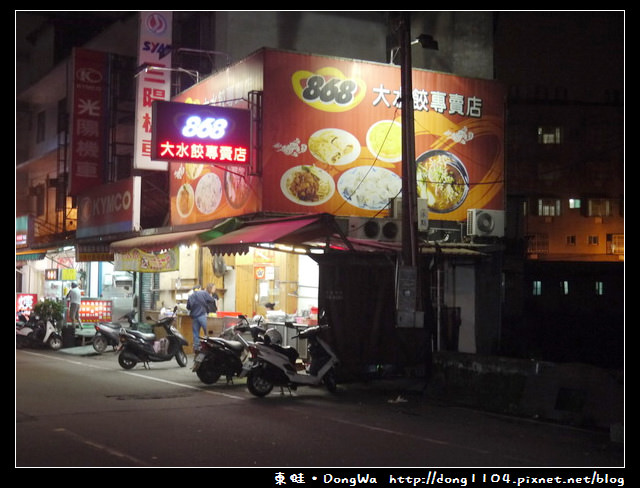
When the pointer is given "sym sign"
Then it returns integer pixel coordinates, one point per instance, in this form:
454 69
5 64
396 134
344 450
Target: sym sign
185 132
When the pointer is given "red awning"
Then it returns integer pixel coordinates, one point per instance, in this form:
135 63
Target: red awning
157 242
291 230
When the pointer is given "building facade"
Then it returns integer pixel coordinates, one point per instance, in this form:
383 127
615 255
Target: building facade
543 219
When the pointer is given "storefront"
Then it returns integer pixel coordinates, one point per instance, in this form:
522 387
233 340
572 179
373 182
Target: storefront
276 213
258 262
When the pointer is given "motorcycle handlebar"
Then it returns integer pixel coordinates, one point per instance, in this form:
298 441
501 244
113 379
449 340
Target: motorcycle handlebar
311 329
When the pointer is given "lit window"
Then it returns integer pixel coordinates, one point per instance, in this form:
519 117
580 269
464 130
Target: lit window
549 135
548 207
599 288
615 243
537 288
574 203
598 207
565 287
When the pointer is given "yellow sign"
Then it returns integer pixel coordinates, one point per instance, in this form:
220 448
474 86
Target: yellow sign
68 274
147 262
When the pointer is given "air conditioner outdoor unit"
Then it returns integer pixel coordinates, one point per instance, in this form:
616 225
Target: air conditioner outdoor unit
379 229
485 223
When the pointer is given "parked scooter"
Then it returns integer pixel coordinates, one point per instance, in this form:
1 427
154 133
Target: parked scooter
276 365
137 346
227 354
108 334
35 332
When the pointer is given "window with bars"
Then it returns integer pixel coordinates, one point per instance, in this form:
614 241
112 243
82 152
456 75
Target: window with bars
550 135
548 207
598 207
615 244
537 243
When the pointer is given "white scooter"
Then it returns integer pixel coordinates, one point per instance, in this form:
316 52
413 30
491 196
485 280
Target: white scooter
276 365
37 333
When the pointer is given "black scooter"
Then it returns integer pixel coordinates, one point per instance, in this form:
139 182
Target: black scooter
108 334
136 346
227 354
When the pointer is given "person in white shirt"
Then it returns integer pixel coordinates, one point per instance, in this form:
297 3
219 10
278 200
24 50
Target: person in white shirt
75 299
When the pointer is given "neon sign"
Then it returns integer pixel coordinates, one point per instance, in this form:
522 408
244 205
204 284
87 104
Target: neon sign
200 133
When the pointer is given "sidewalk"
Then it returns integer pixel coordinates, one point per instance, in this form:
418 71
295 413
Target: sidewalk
86 350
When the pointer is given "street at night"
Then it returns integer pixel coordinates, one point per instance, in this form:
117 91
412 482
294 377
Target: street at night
424 208
98 415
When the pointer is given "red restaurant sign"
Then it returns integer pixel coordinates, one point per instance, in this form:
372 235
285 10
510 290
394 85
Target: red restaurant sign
200 133
88 119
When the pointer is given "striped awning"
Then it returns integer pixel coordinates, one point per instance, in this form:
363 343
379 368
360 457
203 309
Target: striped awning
157 242
31 255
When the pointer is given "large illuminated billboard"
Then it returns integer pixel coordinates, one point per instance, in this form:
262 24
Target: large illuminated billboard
200 133
330 141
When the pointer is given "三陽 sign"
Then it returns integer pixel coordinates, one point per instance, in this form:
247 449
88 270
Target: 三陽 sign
200 133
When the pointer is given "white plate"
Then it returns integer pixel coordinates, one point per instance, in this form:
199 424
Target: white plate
185 192
381 135
325 181
344 138
208 193
369 187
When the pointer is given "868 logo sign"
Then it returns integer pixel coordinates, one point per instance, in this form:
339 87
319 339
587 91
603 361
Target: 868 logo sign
328 89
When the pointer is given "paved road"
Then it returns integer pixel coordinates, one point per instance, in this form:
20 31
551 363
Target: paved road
81 411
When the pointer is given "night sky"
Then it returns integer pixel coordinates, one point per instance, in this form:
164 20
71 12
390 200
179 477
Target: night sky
580 51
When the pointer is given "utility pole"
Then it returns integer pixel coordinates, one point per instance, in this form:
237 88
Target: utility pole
409 189
408 305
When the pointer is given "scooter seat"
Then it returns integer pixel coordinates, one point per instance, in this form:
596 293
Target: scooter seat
112 325
147 336
289 351
233 345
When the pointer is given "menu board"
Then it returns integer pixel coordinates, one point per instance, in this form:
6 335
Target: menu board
93 310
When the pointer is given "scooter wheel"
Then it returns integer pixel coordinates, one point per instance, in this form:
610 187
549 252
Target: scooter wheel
208 374
55 343
181 358
257 385
99 343
126 361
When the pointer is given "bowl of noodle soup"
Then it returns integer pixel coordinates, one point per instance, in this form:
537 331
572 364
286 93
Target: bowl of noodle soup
442 180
